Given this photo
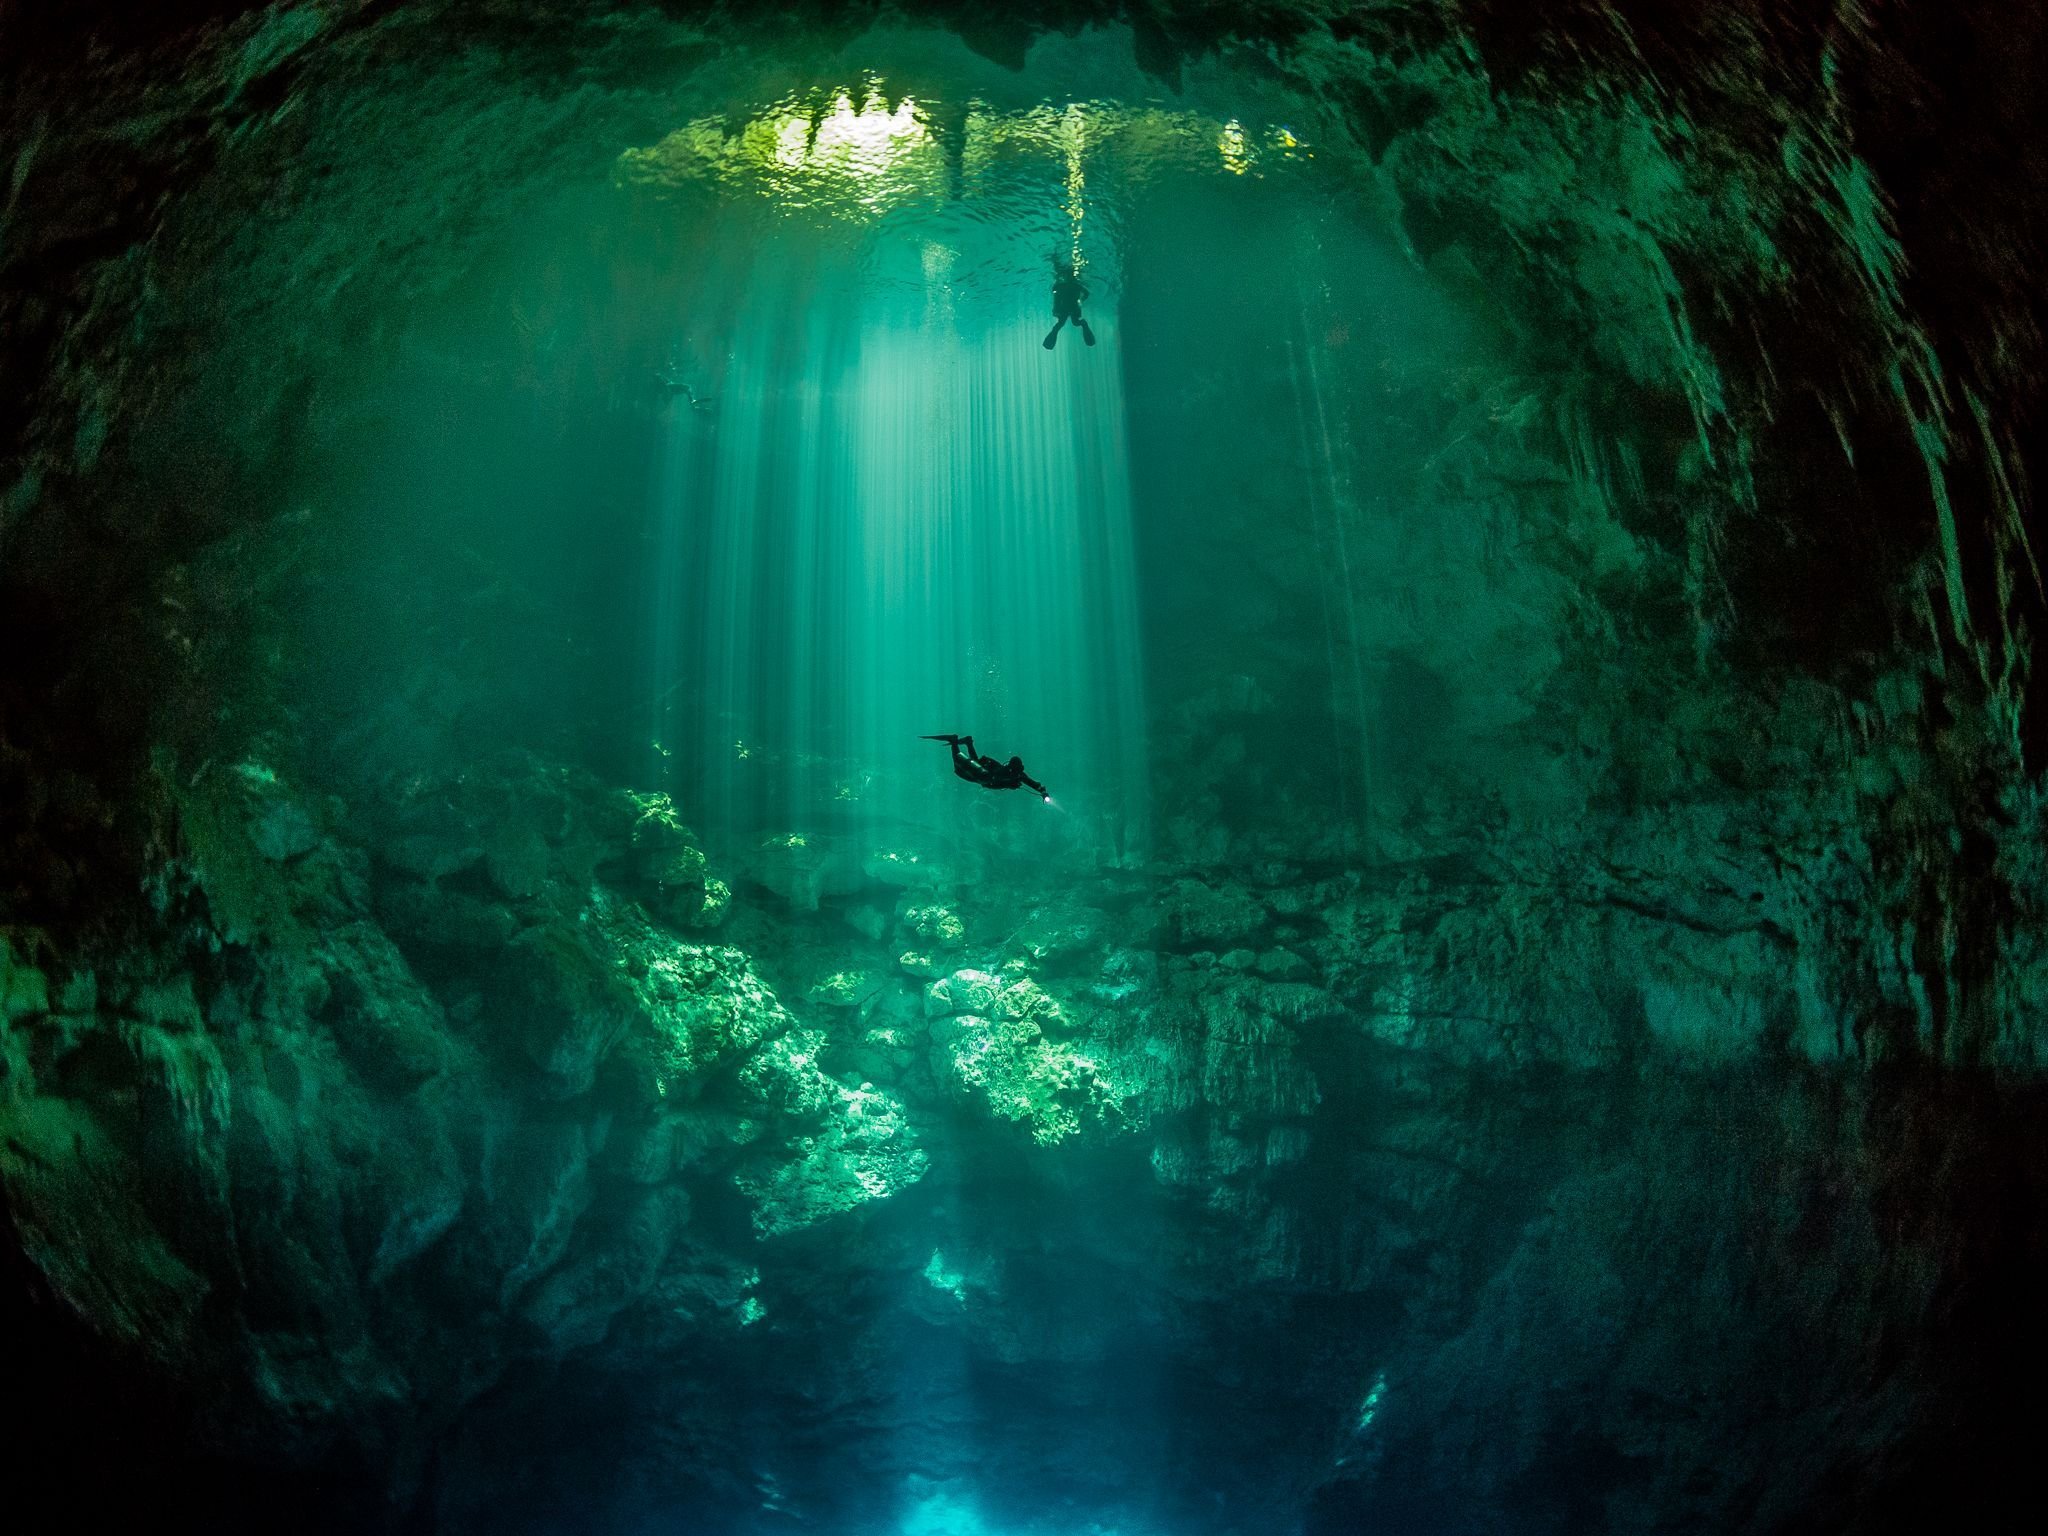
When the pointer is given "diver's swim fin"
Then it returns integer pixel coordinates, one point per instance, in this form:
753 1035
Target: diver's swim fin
1051 337
1087 333
948 740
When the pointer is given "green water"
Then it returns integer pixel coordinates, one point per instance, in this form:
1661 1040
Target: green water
1515 1015
825 492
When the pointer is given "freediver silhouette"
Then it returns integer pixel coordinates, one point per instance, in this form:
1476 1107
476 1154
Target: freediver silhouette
676 382
1067 293
986 771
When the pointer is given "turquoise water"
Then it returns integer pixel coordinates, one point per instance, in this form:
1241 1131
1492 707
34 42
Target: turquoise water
828 493
897 516
1512 1019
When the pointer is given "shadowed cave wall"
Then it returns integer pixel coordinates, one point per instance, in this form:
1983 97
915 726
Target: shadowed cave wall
1561 1053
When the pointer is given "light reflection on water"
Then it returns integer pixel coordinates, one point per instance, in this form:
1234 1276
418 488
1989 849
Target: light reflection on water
1053 174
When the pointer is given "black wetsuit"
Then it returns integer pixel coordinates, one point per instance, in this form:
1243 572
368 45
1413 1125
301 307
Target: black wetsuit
986 771
1067 294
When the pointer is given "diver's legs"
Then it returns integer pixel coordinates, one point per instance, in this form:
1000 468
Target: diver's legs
969 740
1053 335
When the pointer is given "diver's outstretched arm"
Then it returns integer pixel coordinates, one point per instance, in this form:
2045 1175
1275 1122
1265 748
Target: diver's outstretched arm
1034 784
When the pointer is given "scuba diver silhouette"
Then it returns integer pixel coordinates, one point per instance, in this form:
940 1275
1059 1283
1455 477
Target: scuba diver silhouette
1067 294
986 771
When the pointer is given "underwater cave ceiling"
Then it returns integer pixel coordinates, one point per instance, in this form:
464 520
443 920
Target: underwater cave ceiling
1521 1012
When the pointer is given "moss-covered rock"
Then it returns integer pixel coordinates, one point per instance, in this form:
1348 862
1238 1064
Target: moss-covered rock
844 989
933 925
858 1144
1007 1068
1205 914
1062 933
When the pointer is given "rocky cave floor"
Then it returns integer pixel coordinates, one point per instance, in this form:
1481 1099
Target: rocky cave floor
1160 1193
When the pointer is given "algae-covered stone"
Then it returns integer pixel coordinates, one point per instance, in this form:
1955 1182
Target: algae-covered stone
612 981
1061 932
863 1149
252 848
1279 964
705 1003
1222 914
1024 998
843 989
885 1052
663 854
868 1151
971 992
516 861
657 827
1008 1066
784 1073
1126 973
934 925
672 867
387 1025
698 906
277 822
283 829
962 992
575 1001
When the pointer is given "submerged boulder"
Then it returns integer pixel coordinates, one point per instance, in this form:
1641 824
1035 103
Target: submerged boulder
805 868
1206 915
856 1143
1009 1069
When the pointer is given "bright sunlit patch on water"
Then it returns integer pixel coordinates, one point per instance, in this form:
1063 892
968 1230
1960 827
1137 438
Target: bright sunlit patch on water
850 153
854 153
865 143
1230 143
